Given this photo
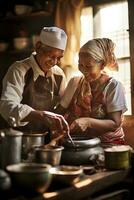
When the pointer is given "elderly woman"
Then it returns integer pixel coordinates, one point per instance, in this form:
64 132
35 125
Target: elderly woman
94 103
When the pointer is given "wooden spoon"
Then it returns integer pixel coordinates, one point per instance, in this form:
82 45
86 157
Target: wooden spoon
54 141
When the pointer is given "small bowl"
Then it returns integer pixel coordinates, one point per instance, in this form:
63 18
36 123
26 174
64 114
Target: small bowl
30 178
22 9
66 174
3 46
21 43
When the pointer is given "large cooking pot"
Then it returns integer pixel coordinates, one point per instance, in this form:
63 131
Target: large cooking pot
31 140
10 147
83 151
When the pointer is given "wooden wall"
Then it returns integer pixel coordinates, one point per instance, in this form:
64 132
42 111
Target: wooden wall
128 127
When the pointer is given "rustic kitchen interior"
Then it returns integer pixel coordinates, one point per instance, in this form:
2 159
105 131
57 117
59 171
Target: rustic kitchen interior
21 22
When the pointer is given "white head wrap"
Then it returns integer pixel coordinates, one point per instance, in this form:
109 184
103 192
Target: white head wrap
101 49
53 37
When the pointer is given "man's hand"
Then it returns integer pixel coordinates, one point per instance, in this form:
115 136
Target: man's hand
56 123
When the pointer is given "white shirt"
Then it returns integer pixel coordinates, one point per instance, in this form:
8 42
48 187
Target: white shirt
114 96
114 100
13 85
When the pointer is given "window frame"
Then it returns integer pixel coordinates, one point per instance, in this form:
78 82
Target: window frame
131 37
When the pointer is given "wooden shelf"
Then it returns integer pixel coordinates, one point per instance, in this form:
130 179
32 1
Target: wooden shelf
27 16
14 25
15 52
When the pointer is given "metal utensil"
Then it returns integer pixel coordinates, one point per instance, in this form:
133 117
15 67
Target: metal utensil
70 138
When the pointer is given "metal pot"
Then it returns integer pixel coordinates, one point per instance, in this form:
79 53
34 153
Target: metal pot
117 157
10 147
50 155
83 152
30 140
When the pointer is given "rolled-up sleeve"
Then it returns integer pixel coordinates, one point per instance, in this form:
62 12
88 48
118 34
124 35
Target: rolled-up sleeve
10 103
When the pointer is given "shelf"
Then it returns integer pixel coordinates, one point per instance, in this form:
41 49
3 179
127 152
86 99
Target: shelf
18 25
26 16
16 52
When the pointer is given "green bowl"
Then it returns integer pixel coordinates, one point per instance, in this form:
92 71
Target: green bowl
30 178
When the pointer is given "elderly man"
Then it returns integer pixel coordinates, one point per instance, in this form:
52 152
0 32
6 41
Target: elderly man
32 87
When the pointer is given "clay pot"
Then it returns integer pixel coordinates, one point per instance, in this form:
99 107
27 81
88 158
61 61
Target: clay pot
83 152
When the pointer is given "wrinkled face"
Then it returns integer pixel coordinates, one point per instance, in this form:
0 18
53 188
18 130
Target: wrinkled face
90 68
47 59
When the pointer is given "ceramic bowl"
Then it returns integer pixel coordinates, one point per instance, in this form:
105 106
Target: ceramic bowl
66 174
30 178
21 43
3 46
22 9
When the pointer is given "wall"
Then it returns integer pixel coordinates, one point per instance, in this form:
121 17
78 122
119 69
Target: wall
128 126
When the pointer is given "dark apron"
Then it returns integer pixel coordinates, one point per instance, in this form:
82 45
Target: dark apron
39 96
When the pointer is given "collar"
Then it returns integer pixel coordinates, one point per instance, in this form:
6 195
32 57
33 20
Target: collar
36 69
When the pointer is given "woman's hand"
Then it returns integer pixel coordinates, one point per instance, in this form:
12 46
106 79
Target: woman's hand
101 126
80 124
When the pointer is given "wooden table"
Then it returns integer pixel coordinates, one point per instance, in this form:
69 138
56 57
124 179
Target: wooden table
89 185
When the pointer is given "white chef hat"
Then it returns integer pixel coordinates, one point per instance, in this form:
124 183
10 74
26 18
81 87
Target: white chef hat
53 37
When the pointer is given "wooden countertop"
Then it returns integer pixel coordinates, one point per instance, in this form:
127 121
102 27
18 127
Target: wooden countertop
89 185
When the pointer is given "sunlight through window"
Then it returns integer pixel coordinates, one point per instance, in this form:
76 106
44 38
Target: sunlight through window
111 20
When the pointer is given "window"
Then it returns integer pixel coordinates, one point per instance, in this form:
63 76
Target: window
111 20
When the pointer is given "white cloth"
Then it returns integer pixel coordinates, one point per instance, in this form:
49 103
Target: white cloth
114 97
101 49
53 37
13 85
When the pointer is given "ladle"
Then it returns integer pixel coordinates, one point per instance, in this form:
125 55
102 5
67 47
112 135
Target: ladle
70 138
